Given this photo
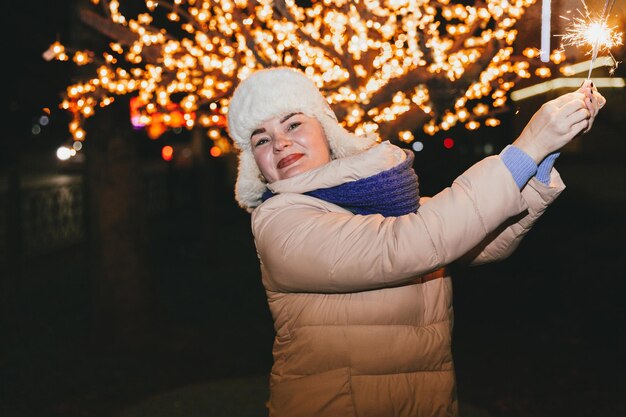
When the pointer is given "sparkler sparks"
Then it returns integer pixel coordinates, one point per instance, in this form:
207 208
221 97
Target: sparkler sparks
588 30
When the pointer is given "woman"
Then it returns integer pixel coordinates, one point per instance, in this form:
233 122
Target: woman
353 261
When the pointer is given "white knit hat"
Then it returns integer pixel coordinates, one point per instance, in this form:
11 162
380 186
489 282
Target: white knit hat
277 92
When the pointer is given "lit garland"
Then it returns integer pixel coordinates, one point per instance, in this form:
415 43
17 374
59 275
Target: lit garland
389 66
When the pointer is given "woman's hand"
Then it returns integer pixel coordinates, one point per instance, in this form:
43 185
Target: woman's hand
593 100
560 120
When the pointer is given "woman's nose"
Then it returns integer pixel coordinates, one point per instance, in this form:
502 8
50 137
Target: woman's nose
281 141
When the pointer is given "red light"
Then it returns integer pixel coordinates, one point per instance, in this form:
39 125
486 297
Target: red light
215 151
167 153
448 143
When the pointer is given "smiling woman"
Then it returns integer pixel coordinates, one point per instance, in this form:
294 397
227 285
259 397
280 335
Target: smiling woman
288 145
353 261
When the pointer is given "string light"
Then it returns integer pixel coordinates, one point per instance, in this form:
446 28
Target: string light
376 60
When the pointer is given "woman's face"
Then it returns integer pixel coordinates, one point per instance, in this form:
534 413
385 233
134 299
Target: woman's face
289 145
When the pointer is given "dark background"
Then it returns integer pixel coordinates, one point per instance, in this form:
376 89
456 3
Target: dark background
540 334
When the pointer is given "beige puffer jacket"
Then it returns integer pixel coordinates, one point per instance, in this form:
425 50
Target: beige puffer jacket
362 308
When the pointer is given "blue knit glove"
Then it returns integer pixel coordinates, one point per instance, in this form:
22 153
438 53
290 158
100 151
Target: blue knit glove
544 168
521 165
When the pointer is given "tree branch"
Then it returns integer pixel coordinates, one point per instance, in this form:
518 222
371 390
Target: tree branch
403 83
249 41
281 6
411 120
121 34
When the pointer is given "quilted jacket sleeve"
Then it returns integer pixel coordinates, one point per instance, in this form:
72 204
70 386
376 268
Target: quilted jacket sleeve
308 245
506 238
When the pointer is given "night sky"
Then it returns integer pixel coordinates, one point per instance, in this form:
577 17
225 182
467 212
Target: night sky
35 84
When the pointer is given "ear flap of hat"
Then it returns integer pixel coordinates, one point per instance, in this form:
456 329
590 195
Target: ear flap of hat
250 184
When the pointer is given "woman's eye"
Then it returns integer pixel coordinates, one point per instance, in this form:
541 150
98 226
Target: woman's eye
293 125
260 142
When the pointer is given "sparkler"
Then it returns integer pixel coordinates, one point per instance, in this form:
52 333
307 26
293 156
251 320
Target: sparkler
588 30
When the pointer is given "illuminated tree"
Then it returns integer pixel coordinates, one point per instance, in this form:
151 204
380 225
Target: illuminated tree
391 66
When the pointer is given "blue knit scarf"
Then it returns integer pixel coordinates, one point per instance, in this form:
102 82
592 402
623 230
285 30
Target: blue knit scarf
393 192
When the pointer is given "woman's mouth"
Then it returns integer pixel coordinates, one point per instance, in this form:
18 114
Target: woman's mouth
288 160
